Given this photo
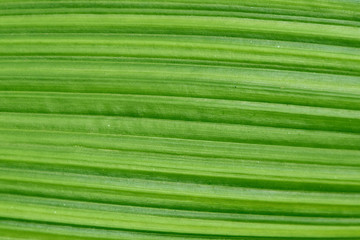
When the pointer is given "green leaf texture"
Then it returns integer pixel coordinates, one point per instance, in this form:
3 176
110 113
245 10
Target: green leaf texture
180 119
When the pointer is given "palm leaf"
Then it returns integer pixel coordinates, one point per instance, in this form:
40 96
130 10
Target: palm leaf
180 119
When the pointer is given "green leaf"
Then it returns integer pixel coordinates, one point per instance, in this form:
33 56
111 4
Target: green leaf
179 119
